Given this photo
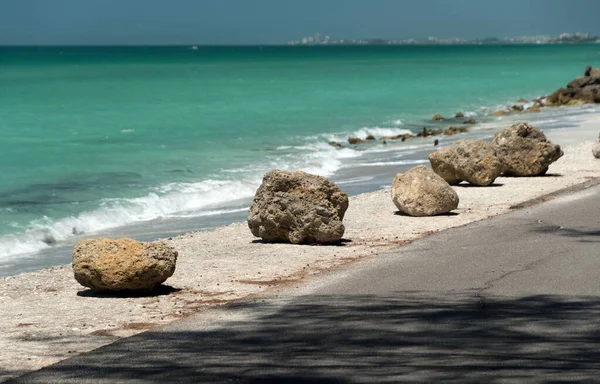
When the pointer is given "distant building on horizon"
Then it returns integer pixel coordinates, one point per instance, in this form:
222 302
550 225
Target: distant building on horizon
563 38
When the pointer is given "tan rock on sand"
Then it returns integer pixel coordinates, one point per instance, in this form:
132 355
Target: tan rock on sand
297 207
474 161
525 151
422 192
124 264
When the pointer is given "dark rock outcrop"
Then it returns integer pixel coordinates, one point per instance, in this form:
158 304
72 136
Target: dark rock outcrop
450 131
355 140
582 90
402 137
426 132
525 151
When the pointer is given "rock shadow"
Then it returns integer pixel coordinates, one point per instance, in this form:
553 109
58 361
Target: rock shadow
340 243
468 185
400 213
160 290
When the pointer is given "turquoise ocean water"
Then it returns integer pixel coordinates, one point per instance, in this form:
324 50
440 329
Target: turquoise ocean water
160 139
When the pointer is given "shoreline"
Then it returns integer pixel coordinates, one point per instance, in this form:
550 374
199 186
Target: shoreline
227 264
367 171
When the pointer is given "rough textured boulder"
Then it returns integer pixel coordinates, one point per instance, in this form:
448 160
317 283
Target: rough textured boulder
422 192
524 150
596 148
297 207
582 90
124 264
474 161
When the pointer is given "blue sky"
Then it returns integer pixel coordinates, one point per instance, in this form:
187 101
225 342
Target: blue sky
84 22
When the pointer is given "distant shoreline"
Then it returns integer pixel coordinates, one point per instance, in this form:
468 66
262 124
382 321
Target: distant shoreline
289 45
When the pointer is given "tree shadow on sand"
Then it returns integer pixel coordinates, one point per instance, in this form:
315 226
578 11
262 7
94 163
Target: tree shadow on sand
408 337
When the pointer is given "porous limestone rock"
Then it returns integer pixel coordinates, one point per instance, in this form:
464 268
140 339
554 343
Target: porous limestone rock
422 192
474 161
123 264
524 150
298 207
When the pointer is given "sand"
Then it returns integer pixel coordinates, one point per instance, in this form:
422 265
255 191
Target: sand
48 317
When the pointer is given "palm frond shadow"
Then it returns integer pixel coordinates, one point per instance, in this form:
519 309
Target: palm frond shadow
409 337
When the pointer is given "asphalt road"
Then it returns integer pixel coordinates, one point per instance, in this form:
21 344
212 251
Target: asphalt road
514 299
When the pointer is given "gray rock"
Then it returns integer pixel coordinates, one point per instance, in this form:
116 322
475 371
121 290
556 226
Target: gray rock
525 151
298 207
124 264
422 192
474 161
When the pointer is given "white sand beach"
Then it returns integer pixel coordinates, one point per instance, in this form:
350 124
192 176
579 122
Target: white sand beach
48 316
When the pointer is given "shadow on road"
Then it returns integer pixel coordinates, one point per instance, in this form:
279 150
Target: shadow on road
411 337
584 235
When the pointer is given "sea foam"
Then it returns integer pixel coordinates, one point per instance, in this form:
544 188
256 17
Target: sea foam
175 200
